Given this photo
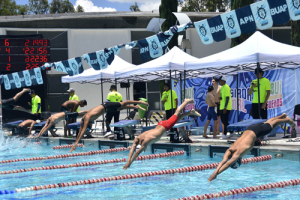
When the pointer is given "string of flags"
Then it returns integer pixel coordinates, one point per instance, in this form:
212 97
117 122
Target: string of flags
261 15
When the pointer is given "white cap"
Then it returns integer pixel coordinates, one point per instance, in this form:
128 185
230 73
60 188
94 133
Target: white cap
71 90
223 78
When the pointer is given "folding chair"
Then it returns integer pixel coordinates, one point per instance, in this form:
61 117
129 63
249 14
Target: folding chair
147 117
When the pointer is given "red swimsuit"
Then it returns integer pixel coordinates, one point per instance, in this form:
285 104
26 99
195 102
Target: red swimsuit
168 124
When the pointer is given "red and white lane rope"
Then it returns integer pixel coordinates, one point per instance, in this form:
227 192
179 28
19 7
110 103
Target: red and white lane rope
68 155
67 146
147 157
140 175
268 186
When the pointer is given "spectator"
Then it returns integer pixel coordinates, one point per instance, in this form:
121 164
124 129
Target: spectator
35 104
225 105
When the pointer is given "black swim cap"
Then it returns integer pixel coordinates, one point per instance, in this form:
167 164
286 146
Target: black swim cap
237 164
210 88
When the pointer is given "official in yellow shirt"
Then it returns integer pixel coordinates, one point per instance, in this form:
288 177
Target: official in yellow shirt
113 96
73 96
264 91
35 104
166 100
225 105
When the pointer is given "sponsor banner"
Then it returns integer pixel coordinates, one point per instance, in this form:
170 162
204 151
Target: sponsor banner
204 31
279 11
217 28
262 15
232 27
154 46
71 67
246 20
24 78
294 9
282 94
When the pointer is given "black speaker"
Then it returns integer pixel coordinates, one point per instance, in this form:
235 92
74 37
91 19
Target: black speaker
124 85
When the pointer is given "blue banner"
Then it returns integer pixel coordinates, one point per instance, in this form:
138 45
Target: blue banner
246 20
204 31
282 97
217 28
294 9
71 67
262 15
24 78
232 27
279 11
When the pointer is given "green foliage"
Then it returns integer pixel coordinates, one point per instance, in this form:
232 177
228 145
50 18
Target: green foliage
135 7
165 11
204 5
79 9
295 33
61 6
23 9
39 6
236 4
8 7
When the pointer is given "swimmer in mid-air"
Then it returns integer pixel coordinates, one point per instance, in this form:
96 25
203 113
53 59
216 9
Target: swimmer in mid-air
58 117
245 143
149 137
9 103
22 128
93 114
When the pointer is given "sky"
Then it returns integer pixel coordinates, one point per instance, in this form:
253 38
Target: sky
109 5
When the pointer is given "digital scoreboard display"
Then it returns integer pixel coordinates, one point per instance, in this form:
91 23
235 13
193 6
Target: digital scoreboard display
23 54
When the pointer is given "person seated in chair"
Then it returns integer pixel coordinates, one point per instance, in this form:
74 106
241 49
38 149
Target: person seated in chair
149 137
243 145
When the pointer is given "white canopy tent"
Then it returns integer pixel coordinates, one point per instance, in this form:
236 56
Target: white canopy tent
158 69
244 58
95 76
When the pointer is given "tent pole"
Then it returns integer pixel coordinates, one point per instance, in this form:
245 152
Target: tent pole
237 97
180 88
171 92
184 73
102 102
257 74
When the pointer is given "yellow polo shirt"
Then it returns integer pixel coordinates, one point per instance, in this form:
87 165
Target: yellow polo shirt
264 86
168 103
34 104
225 92
75 97
114 97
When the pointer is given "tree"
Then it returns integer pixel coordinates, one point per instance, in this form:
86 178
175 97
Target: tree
165 11
135 7
23 9
204 5
8 7
39 6
236 4
61 6
295 33
79 9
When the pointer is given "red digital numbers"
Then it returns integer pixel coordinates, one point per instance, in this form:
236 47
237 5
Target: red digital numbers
8 67
27 42
36 59
6 42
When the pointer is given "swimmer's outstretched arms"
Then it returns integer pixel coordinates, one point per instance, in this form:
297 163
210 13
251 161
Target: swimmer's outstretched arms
153 135
93 114
245 143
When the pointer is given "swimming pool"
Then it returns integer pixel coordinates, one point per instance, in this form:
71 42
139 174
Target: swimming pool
155 187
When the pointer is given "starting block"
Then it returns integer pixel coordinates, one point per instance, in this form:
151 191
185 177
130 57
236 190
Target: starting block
124 124
181 125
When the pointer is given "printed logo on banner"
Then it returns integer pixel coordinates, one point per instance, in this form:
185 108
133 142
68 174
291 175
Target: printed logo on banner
204 31
74 66
86 58
60 67
101 59
217 28
279 11
164 39
232 26
38 75
27 78
17 79
263 18
6 82
155 49
246 20
294 9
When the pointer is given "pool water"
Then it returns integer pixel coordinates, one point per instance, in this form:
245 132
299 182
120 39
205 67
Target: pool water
155 187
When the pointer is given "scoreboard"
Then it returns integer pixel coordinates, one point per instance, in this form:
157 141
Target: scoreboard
23 54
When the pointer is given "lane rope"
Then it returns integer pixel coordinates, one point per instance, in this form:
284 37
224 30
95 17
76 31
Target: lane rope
67 146
68 155
140 175
146 157
233 192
